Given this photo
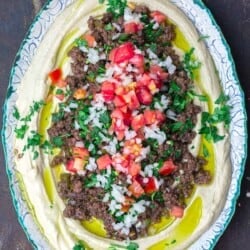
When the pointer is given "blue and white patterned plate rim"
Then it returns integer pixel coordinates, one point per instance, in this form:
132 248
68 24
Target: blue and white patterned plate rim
203 20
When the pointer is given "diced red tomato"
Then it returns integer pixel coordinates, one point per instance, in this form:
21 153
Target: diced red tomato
80 94
120 163
90 40
134 102
75 165
136 189
160 117
153 86
61 83
177 211
149 117
131 28
137 122
120 135
131 100
119 125
60 96
159 72
138 61
168 167
127 118
112 54
103 162
151 185
134 169
144 96
122 53
145 80
120 90
127 204
108 91
117 113
158 16
80 152
119 101
55 75
124 109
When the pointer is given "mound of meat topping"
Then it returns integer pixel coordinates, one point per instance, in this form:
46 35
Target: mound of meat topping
124 124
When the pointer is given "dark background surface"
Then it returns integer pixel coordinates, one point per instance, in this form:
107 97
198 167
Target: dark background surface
234 19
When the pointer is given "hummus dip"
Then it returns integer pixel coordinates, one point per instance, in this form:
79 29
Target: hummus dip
40 181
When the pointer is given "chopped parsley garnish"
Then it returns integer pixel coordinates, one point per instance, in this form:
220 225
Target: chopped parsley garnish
209 121
107 48
153 143
33 109
123 38
180 99
57 141
16 113
110 179
32 142
192 94
205 151
101 70
105 119
91 76
20 132
95 135
182 127
108 27
56 117
190 64
116 7
79 246
81 42
59 92
82 116
130 246
203 37
150 33
90 181
157 196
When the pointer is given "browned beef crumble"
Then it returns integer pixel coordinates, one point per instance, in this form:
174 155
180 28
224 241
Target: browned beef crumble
83 203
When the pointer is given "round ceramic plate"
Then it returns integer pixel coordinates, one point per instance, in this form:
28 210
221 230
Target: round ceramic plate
202 19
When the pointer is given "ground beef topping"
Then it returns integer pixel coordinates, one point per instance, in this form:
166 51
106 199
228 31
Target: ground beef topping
125 123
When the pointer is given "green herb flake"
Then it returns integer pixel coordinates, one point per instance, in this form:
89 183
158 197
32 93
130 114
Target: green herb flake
57 141
130 246
105 119
16 113
20 132
79 246
59 92
157 196
190 64
151 34
80 42
123 37
203 37
205 151
116 7
108 27
107 48
90 181
222 99
221 114
101 1
35 155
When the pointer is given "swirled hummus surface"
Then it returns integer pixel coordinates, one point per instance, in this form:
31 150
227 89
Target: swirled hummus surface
121 133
